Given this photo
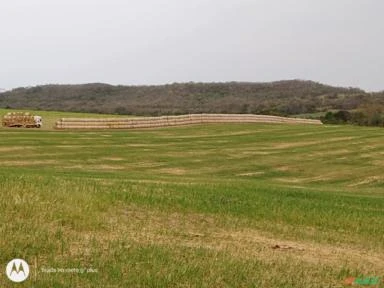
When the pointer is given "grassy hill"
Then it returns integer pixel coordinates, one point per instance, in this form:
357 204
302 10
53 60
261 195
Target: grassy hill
198 206
279 98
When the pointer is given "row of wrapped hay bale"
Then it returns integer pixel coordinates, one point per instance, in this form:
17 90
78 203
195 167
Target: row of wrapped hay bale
165 121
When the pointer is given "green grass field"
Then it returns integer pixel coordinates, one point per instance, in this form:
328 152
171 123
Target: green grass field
194 206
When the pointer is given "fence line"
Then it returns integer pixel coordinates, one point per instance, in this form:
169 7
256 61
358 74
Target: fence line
165 121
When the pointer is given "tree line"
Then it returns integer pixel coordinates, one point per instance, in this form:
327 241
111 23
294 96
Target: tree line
367 115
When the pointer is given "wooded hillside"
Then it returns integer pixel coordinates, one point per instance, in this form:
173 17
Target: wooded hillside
275 98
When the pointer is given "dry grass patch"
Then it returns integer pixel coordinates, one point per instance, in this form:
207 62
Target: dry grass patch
13 149
368 180
173 171
106 167
147 164
139 145
293 144
286 168
202 231
313 179
213 135
28 162
93 167
330 152
308 143
249 174
113 158
238 154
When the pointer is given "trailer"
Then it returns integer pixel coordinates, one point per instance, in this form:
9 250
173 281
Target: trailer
22 119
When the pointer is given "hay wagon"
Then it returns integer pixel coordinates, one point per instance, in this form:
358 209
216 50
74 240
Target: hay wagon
22 119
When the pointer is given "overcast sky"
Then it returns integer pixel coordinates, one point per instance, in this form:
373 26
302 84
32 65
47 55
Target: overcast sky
337 42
